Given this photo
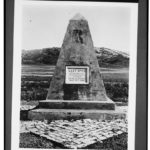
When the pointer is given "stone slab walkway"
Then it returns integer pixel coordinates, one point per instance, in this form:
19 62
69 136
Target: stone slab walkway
75 134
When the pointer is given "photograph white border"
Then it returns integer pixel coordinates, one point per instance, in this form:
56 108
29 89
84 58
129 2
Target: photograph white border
16 92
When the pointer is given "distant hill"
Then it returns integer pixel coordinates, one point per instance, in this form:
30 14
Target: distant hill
112 58
40 56
106 57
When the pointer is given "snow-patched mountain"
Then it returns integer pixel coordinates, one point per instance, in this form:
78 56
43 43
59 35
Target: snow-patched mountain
106 57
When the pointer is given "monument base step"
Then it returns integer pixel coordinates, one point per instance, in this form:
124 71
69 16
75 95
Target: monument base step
69 114
76 104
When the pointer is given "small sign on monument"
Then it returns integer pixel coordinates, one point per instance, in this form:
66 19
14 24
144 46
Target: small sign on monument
77 75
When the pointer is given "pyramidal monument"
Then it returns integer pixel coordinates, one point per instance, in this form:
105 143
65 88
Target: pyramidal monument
77 51
76 89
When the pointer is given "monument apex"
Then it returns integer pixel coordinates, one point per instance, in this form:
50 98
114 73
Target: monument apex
78 16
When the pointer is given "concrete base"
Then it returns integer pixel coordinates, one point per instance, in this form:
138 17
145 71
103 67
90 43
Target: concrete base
75 109
76 104
69 114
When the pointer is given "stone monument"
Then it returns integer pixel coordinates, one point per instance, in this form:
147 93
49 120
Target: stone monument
77 87
77 57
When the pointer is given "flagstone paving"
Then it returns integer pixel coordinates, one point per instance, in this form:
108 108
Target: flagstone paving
75 134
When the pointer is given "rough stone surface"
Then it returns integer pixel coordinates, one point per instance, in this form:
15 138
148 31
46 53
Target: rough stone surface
77 50
72 104
24 111
75 134
26 107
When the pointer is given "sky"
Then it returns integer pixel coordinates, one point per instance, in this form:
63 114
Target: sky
45 25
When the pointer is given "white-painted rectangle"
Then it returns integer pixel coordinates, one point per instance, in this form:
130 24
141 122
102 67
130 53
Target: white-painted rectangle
77 75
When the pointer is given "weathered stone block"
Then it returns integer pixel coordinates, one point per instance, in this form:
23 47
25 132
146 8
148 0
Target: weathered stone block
77 104
69 114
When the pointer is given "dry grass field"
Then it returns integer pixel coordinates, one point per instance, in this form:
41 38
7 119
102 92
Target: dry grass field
36 79
48 70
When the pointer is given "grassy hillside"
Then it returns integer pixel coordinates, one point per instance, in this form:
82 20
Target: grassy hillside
106 57
40 56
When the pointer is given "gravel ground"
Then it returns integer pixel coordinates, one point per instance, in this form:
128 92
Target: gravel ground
28 140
